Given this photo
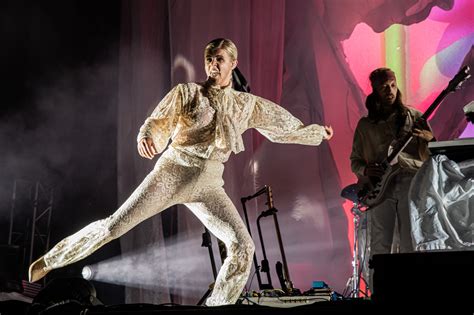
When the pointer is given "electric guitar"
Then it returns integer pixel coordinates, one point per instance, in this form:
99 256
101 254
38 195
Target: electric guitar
371 194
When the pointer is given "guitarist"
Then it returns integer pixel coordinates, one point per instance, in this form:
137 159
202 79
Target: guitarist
388 119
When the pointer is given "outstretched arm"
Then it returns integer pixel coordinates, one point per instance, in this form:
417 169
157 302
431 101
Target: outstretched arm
278 125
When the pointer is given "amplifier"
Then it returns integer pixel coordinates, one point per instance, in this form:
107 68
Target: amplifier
457 150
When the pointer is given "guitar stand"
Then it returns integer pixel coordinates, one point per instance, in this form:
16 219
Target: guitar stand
281 267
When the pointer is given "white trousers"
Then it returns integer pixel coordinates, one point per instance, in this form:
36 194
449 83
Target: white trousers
170 183
394 209
393 212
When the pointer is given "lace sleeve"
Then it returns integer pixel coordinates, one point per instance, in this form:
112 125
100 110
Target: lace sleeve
278 125
160 124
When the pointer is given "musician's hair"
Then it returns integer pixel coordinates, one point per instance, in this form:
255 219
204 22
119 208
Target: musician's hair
372 103
381 75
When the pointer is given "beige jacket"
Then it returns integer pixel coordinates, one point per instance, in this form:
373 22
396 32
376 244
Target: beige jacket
372 141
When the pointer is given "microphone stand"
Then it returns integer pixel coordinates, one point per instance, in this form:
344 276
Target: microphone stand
207 242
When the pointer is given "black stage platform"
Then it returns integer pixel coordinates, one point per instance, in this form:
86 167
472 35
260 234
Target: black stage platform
355 306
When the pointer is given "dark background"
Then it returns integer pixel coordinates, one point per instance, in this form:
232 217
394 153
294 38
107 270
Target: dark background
58 124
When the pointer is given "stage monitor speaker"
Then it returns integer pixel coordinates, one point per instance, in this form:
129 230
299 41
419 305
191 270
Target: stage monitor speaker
429 279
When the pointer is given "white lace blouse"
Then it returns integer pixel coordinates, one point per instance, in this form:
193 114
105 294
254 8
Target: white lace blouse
208 122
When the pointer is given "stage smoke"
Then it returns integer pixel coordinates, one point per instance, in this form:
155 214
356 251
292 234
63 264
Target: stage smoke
306 209
183 266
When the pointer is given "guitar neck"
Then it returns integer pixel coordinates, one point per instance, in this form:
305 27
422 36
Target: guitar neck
403 142
399 146
434 105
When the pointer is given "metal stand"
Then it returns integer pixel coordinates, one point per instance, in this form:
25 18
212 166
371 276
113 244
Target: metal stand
355 279
207 242
30 219
283 274
350 193
265 265
243 200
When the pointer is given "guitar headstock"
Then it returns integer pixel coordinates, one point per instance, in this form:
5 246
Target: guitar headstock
459 79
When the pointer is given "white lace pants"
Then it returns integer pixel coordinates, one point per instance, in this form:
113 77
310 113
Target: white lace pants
200 189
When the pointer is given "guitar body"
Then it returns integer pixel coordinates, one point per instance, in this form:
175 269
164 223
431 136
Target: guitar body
376 190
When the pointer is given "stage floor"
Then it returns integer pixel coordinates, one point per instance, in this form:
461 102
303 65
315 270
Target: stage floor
349 306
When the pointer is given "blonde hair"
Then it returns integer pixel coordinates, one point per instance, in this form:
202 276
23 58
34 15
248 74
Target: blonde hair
221 43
